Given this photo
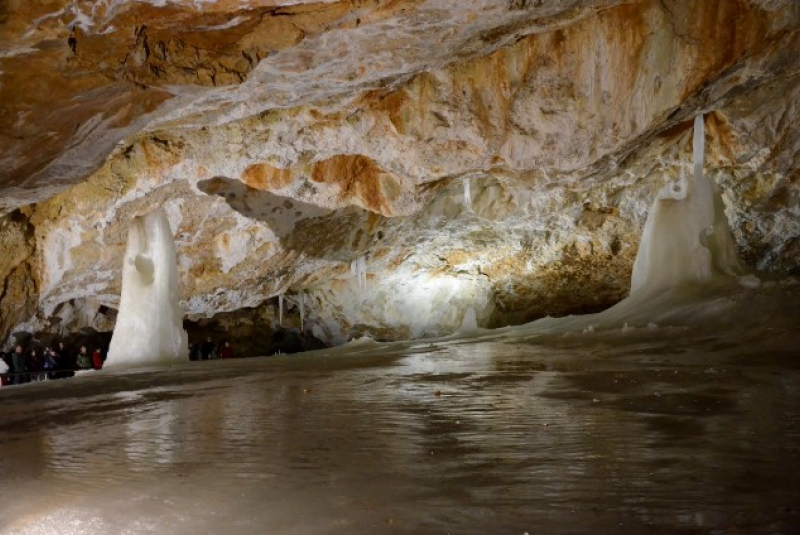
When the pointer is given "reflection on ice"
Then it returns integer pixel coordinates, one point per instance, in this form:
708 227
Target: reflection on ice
647 431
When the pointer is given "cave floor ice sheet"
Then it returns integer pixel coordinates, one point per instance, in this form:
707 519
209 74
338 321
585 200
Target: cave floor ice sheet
668 430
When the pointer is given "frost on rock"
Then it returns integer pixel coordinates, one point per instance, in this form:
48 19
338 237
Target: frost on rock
149 326
686 236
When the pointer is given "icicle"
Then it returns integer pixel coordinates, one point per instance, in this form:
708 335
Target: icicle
362 270
698 146
302 309
358 269
467 195
280 310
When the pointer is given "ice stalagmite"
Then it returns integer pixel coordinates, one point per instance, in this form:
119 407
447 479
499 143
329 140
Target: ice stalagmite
686 237
149 325
469 325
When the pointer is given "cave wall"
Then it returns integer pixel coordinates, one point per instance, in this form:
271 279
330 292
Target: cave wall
277 173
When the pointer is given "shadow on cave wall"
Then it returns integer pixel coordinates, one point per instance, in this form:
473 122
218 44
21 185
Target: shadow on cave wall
338 235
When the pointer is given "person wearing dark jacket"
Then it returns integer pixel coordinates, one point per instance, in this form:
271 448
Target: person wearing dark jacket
206 349
65 362
35 366
17 365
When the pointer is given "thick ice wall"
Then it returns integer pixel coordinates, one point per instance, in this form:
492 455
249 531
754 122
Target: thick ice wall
149 325
686 237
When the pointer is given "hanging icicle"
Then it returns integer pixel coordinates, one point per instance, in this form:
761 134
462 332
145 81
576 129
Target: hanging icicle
358 268
280 310
467 195
302 309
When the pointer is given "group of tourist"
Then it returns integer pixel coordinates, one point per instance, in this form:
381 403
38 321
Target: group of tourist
52 363
28 365
208 350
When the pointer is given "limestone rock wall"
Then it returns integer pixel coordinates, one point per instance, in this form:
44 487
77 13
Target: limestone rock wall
296 139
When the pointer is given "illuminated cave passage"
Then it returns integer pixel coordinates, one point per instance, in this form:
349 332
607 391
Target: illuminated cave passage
498 266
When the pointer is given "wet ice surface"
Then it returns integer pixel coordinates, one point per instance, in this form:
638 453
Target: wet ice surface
675 429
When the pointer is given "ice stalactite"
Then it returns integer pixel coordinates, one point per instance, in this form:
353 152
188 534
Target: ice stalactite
280 309
302 302
358 268
149 326
467 195
686 237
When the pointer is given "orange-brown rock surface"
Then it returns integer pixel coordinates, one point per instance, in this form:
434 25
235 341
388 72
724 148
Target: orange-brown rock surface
287 139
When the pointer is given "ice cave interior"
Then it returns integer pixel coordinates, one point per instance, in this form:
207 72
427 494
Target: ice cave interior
467 234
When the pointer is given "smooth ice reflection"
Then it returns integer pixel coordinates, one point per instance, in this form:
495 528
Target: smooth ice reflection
681 429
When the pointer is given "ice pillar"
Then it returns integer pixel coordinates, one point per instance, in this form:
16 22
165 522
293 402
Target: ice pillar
686 236
149 325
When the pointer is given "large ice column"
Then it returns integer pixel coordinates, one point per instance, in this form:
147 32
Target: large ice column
686 237
149 325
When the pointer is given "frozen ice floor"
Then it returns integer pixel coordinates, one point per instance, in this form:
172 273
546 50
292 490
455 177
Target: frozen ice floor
668 430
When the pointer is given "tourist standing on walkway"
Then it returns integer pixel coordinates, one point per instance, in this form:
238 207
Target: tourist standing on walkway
83 361
35 366
17 365
226 352
207 349
97 359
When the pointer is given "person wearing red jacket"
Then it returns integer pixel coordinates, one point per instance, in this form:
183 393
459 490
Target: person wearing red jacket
97 359
227 351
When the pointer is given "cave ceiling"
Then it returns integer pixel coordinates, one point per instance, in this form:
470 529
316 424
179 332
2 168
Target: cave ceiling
288 139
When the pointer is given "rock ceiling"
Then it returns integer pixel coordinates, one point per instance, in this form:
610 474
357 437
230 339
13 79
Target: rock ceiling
287 139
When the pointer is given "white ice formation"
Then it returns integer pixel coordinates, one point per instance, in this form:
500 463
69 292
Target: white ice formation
469 325
467 195
149 326
302 302
686 237
280 309
358 268
687 253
